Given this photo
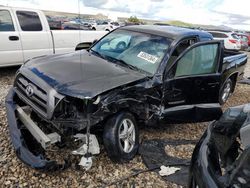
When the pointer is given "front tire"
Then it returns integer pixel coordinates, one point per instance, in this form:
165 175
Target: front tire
226 91
121 137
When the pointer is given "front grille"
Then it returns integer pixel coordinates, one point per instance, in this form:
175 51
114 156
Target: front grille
43 99
38 98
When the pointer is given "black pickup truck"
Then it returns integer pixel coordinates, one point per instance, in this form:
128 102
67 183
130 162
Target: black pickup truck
133 75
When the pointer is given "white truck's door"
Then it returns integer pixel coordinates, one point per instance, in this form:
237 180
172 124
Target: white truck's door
10 43
34 32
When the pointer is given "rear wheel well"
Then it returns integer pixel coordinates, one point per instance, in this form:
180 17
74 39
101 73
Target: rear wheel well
233 78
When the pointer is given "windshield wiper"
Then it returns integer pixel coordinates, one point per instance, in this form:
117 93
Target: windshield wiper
99 54
130 66
120 61
127 65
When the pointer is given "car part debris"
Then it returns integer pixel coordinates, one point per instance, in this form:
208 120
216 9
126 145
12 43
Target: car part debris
22 142
153 155
86 162
136 173
92 147
39 135
245 81
222 156
166 170
89 147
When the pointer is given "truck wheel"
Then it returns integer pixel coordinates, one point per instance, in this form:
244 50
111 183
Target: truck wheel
226 91
121 137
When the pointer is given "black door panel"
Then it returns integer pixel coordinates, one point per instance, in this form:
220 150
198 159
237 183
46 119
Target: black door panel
194 80
192 113
192 90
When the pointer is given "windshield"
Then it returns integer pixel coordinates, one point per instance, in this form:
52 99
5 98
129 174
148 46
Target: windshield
142 51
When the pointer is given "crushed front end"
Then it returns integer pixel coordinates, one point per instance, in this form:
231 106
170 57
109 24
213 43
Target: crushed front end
39 118
222 156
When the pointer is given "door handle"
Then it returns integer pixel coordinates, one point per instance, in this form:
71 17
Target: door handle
13 38
198 82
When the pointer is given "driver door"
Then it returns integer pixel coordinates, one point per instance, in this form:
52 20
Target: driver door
191 85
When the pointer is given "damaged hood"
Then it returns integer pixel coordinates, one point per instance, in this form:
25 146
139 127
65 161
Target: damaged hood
81 74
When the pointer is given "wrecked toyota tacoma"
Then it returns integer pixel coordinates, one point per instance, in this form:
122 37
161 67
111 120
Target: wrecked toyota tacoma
222 156
133 75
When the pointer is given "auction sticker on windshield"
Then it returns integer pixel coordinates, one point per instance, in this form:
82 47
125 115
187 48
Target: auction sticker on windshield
148 57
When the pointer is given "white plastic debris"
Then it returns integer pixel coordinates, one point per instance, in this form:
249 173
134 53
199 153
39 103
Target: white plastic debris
166 170
94 148
86 163
246 108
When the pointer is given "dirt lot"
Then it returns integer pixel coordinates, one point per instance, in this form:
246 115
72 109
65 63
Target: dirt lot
13 173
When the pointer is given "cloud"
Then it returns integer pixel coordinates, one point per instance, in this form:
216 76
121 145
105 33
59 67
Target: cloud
212 12
94 3
235 20
158 1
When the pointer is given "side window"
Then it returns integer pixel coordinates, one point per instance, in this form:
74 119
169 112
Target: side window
29 21
199 60
6 23
183 45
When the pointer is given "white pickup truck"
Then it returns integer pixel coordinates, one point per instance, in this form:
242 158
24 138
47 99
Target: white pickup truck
25 33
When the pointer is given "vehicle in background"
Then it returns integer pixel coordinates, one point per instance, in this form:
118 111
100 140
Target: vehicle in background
135 74
248 36
231 40
115 24
222 156
74 26
54 24
244 41
25 34
104 26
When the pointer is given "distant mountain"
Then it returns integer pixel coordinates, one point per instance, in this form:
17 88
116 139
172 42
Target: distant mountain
208 27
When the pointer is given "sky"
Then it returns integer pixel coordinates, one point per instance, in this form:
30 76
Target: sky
230 13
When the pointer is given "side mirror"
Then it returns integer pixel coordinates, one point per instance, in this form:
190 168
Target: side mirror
94 41
85 45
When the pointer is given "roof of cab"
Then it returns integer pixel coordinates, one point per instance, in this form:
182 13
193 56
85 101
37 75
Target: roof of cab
168 31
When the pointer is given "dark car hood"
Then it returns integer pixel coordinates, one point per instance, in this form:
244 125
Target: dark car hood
81 74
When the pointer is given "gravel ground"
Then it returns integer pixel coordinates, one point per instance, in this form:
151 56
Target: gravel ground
13 173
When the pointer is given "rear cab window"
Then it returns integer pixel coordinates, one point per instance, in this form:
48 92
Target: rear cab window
6 23
218 35
29 21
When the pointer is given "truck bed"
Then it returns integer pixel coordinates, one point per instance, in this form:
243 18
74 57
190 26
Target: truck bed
234 62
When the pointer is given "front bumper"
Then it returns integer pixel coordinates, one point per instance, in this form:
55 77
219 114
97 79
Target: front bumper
22 146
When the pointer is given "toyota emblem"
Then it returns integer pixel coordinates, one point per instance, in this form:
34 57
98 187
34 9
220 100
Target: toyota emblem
29 90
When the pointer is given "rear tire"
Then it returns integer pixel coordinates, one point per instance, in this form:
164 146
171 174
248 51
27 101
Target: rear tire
226 91
121 137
